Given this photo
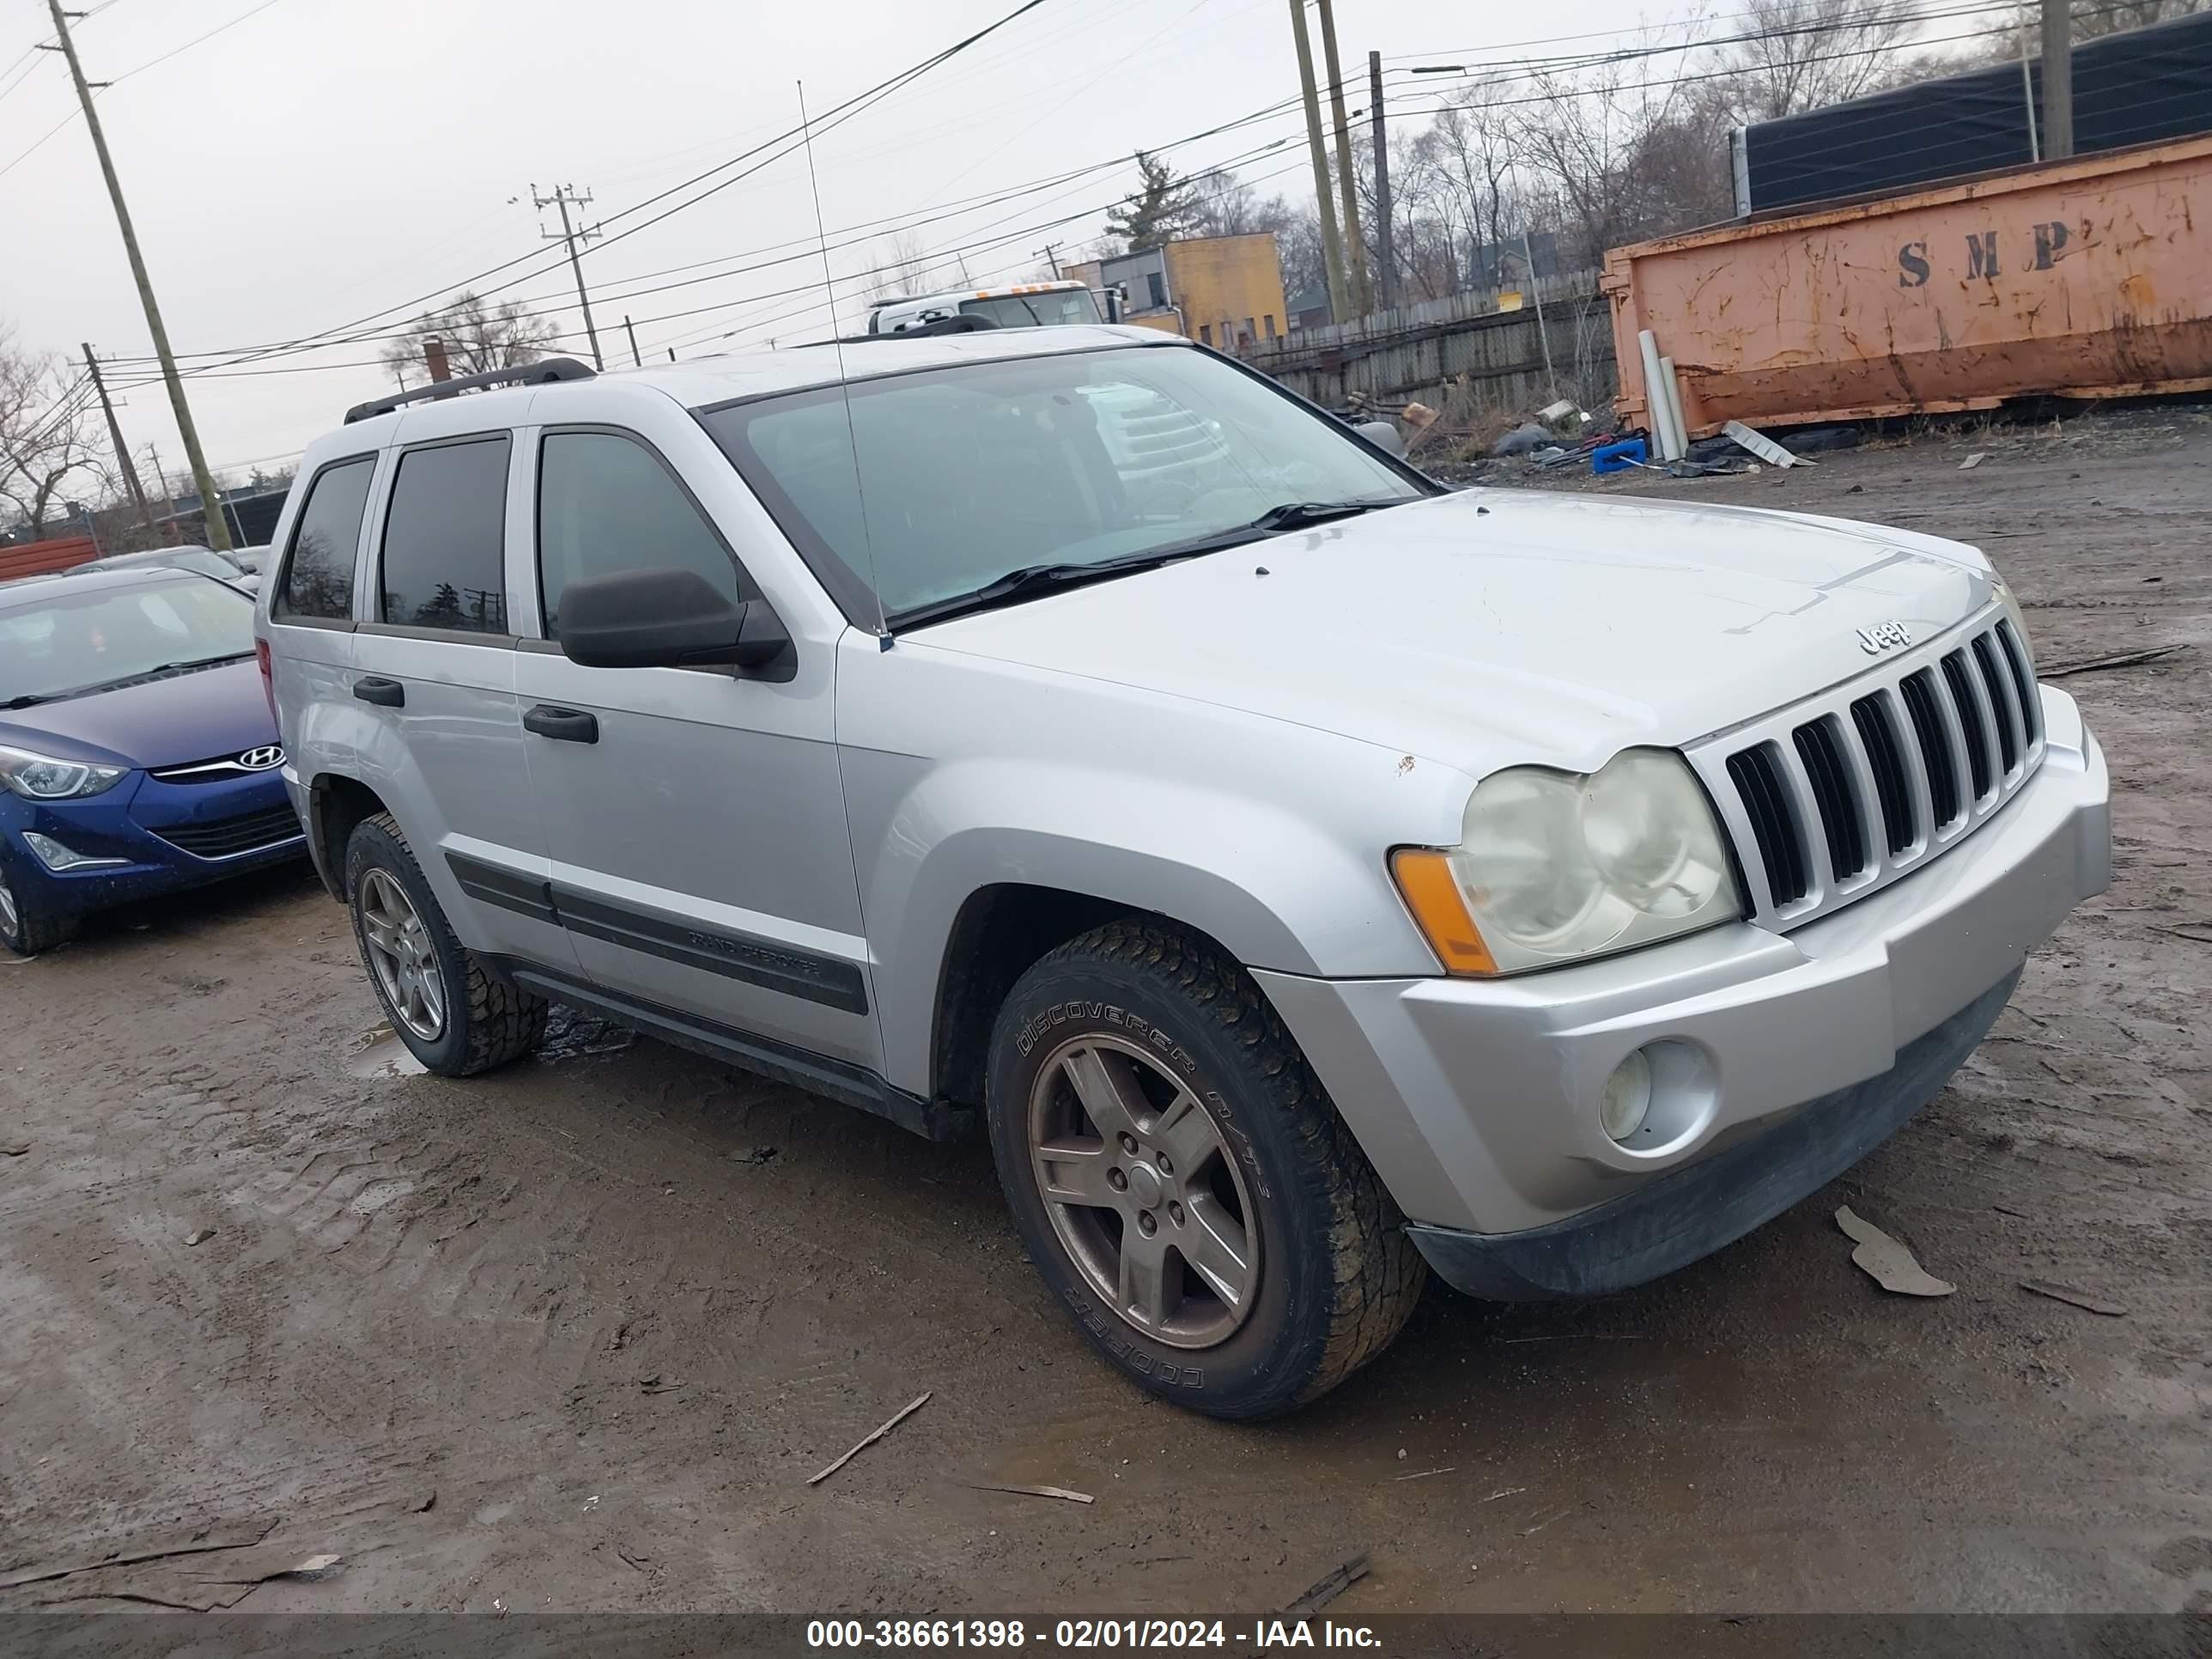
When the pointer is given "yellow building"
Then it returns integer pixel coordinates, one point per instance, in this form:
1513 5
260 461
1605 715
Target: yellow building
1222 291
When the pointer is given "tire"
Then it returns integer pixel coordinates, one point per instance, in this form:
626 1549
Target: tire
30 932
485 1021
1333 1275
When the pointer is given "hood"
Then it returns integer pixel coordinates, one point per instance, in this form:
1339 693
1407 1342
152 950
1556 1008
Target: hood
202 715
1490 627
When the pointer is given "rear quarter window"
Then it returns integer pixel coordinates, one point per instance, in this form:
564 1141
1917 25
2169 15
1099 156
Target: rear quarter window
318 571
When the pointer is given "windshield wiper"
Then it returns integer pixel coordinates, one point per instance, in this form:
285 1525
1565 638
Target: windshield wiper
1297 515
1275 521
118 684
180 668
1040 578
1034 579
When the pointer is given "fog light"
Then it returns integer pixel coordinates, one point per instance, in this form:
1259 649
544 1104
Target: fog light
57 857
1627 1096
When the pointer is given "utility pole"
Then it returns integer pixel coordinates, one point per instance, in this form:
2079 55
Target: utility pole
2058 80
1386 278
1331 249
564 196
1050 253
1355 245
218 532
631 328
168 496
115 437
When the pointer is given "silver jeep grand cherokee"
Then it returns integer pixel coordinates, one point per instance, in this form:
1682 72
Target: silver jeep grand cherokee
1304 875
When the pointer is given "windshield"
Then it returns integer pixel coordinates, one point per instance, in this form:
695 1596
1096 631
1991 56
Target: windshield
1084 459
83 641
1069 304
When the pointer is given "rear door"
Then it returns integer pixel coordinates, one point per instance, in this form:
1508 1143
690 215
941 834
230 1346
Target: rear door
696 818
311 619
434 667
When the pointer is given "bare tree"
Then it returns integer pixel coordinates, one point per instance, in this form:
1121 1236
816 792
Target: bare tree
1227 206
1298 247
904 265
1468 154
2093 18
1802 54
479 337
47 433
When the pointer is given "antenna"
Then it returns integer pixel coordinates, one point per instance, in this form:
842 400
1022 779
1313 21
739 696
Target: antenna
844 385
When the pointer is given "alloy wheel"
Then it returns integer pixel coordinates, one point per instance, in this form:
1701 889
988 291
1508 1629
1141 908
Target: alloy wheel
401 956
1143 1191
11 919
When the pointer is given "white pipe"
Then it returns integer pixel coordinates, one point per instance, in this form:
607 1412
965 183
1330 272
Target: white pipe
1673 389
1655 396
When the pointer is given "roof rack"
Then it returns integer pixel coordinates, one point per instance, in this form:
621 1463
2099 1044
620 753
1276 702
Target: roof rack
537 374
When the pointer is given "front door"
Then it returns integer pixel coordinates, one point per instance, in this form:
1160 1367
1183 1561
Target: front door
695 818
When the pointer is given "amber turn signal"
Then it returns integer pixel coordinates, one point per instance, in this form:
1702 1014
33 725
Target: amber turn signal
1431 893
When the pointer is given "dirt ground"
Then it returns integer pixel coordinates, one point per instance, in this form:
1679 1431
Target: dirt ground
573 1336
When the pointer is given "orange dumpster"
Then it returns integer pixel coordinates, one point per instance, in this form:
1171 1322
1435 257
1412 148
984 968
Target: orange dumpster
2090 277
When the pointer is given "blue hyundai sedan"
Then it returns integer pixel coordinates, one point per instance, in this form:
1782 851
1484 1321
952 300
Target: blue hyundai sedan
139 752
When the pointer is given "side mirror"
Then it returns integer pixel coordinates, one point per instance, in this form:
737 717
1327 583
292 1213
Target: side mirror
670 619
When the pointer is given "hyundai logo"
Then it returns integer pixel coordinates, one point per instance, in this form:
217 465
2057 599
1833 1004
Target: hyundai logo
262 759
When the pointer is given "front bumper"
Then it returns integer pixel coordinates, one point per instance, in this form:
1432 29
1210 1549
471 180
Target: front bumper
129 830
1477 1100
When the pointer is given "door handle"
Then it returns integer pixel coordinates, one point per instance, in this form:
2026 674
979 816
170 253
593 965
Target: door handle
561 725
384 694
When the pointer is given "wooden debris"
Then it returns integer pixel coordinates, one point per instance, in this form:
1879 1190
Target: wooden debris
2067 1293
2097 664
904 1412
1035 1492
1327 1589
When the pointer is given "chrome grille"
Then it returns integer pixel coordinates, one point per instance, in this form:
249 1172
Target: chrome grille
1843 793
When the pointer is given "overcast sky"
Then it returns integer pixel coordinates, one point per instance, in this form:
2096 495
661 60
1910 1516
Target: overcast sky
325 159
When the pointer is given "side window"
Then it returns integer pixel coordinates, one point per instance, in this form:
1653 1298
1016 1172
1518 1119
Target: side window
606 503
318 576
445 533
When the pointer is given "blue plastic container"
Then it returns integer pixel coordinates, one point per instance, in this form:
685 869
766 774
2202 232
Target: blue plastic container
1619 458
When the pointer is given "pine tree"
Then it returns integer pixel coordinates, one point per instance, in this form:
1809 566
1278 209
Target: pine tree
1165 207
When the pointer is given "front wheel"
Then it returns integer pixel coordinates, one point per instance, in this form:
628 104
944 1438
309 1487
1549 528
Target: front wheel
23 929
1182 1181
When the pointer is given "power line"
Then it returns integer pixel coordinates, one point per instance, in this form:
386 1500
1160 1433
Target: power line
118 80
218 29
40 142
853 104
891 225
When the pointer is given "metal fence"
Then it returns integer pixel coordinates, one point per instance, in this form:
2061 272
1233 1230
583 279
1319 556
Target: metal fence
1457 349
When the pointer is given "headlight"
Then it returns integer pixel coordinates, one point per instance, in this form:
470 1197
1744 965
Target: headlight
1556 865
41 777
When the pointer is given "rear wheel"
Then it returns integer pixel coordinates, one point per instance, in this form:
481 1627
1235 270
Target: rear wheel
23 929
1182 1181
454 1014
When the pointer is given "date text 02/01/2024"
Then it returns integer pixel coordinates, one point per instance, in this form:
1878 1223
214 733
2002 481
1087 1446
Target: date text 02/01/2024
1086 1634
